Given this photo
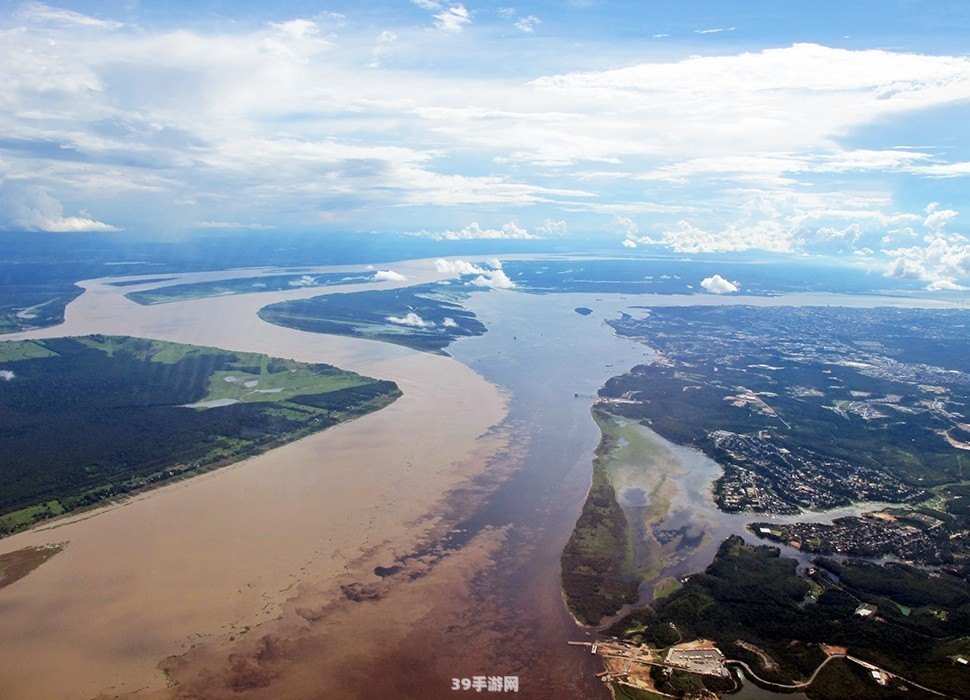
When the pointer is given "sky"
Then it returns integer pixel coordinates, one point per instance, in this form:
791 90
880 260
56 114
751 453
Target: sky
798 128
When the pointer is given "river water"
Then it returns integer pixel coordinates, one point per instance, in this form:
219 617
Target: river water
127 586
552 360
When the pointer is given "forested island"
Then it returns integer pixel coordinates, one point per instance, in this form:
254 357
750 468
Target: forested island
92 418
424 317
598 572
240 285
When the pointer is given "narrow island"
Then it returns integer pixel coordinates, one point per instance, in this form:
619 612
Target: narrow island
241 285
425 317
93 418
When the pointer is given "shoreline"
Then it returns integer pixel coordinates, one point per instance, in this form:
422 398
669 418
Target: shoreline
200 559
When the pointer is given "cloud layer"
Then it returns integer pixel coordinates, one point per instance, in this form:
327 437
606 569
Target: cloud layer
415 122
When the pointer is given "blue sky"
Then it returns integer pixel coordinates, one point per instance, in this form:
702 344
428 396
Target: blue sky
801 128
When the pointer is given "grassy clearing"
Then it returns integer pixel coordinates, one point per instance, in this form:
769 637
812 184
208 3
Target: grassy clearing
637 462
11 351
87 420
665 586
32 514
265 386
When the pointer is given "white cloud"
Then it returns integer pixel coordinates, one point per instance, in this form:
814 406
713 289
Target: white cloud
384 43
448 17
389 276
716 30
719 285
629 243
528 24
765 234
411 319
945 286
32 209
798 221
474 231
494 279
304 281
937 219
942 170
776 168
943 262
552 229
458 267
6 375
628 227
776 100
449 323
224 124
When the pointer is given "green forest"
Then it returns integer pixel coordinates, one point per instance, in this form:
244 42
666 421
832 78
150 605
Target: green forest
240 285
752 594
424 317
596 579
92 418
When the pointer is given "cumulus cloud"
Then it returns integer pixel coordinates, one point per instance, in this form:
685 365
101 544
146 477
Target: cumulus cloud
304 281
458 268
411 319
629 243
33 209
6 375
936 218
389 276
626 227
719 285
796 222
552 229
943 262
449 323
509 231
493 278
945 286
